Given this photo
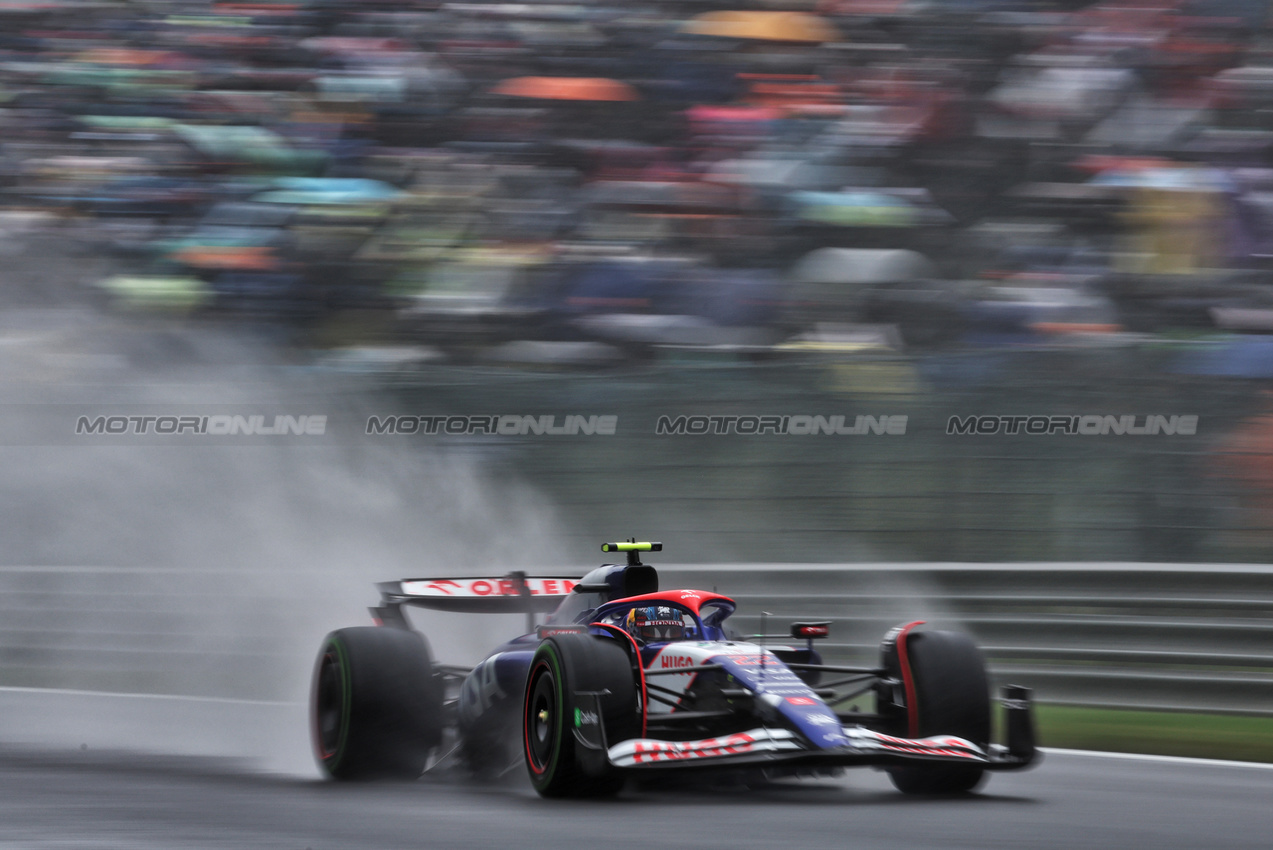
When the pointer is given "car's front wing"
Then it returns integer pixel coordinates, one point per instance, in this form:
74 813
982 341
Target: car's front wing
770 745
865 746
650 752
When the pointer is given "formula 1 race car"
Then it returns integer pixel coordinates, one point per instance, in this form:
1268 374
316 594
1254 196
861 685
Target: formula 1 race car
624 679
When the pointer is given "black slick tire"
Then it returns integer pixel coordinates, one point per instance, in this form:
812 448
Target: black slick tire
945 675
375 704
563 665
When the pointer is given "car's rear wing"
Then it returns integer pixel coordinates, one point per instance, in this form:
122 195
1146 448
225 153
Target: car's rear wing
514 593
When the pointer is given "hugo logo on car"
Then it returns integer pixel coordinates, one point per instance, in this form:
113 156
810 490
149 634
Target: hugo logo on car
614 676
648 751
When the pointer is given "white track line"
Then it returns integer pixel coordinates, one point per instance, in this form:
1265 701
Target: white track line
1258 765
167 697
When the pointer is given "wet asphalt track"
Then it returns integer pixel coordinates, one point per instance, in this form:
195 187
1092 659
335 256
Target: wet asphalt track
51 799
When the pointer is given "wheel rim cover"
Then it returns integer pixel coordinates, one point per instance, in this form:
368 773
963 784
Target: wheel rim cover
329 705
541 719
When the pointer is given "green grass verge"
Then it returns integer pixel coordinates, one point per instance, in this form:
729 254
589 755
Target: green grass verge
1167 733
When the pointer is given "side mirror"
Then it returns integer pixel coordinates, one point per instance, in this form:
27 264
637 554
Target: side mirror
811 631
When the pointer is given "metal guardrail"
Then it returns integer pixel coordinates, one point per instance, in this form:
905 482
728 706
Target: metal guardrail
163 631
1175 637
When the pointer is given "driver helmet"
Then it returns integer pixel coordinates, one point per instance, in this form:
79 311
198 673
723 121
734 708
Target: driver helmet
656 622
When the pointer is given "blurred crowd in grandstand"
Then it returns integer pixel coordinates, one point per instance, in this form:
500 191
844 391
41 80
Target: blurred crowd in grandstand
531 180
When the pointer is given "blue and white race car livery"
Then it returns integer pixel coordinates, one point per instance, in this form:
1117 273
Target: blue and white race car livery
623 678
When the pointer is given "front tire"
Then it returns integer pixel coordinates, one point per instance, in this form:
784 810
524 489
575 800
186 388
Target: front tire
559 766
951 696
375 705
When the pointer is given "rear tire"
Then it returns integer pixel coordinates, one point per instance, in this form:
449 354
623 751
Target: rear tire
559 766
952 697
375 705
